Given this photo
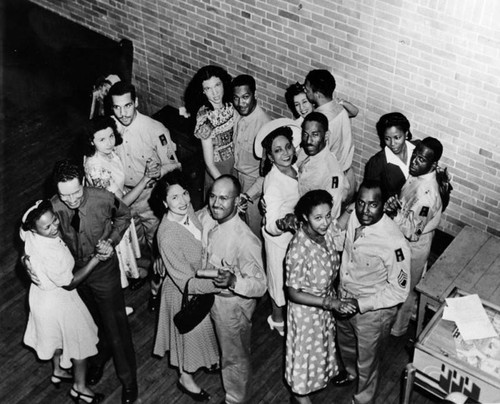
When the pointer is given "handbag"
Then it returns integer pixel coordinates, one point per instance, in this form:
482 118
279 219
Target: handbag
193 310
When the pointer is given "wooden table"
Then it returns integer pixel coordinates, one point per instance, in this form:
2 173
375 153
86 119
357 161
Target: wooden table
471 263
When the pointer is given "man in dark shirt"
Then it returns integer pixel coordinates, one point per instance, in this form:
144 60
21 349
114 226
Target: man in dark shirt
94 220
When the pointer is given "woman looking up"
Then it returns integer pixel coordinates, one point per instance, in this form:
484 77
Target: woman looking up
208 97
312 263
179 242
297 102
60 326
390 165
275 143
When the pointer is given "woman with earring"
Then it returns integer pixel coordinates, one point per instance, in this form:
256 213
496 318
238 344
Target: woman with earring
275 144
208 97
179 243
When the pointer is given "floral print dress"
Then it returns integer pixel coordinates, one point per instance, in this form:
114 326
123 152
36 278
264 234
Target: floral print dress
310 360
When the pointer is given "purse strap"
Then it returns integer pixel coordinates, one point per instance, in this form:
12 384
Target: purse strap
185 295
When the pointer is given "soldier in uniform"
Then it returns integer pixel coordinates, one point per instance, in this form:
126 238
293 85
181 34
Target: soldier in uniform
417 213
375 277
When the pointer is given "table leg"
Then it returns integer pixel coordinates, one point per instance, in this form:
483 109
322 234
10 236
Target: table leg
422 304
409 379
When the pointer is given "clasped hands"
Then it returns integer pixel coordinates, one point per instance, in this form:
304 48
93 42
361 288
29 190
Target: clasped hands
343 306
104 250
225 276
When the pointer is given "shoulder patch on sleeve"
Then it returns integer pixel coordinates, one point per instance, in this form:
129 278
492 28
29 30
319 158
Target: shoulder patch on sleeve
402 279
424 211
399 255
335 182
163 140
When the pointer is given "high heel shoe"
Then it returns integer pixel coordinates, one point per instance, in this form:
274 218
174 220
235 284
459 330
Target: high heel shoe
57 380
273 325
201 396
76 396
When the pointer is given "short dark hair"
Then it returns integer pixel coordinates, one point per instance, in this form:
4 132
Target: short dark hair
29 223
316 117
290 93
244 80
233 179
373 184
65 170
310 200
435 145
267 144
95 125
392 119
323 81
122 88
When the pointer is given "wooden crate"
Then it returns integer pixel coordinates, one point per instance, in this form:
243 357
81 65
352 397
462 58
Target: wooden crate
440 371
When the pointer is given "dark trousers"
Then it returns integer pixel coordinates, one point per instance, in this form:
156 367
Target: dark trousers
103 296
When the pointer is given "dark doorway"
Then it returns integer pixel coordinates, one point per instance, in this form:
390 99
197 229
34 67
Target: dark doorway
49 65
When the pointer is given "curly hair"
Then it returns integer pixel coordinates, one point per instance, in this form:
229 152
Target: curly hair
267 143
95 125
309 201
194 96
290 93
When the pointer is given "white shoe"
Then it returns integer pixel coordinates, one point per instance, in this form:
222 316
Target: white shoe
273 325
129 310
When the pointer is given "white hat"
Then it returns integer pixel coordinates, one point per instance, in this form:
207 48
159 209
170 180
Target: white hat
275 124
113 78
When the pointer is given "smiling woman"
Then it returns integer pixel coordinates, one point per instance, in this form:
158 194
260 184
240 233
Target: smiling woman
179 243
208 96
390 166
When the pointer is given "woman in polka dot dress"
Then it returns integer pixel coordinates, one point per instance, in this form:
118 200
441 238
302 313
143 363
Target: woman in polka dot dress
312 263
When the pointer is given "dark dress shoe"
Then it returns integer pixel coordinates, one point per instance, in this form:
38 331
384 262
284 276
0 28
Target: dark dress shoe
201 396
342 379
94 374
154 303
129 395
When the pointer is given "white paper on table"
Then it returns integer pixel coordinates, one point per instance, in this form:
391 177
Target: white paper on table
469 315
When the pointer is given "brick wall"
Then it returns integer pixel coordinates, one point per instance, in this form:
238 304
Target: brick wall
437 61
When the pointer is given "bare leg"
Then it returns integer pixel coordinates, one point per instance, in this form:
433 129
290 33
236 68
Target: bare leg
187 380
56 365
79 372
301 399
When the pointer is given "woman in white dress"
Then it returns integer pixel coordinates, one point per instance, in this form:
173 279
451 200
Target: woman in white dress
104 169
60 326
275 144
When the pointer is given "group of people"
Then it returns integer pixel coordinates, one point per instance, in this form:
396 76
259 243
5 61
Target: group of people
283 214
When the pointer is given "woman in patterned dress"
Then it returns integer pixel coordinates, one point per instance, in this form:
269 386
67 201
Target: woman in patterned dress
208 96
312 263
104 169
179 243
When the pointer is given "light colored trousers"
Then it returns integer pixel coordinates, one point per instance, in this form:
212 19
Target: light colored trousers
232 317
420 251
252 216
361 343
